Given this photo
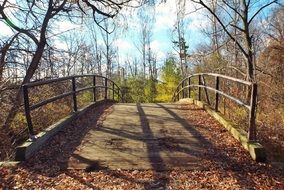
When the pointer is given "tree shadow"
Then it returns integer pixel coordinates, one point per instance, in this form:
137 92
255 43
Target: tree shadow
62 146
217 156
155 159
53 158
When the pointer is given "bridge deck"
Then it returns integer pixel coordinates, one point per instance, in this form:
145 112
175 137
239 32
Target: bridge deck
141 136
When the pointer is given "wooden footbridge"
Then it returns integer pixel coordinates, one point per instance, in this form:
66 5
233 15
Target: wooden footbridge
143 136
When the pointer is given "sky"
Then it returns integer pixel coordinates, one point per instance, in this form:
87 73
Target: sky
165 18
161 44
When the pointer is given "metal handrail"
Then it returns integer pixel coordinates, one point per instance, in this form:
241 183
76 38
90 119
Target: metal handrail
28 107
181 87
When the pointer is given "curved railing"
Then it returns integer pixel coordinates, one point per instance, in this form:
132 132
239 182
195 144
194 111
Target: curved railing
108 84
186 84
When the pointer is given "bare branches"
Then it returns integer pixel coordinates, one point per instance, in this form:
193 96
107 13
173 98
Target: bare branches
96 10
259 10
12 25
233 8
223 26
243 10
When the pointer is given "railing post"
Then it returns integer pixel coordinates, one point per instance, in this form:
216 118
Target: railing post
75 109
199 88
189 87
94 89
205 90
252 113
28 111
217 87
113 90
118 94
182 87
105 88
178 95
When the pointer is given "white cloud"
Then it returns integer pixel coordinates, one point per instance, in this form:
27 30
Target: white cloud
67 25
161 56
60 44
156 47
123 44
165 15
198 21
5 30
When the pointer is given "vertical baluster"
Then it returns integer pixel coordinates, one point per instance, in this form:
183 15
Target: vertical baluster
178 94
217 87
113 90
105 88
28 111
74 94
118 94
94 88
189 87
199 88
205 90
182 86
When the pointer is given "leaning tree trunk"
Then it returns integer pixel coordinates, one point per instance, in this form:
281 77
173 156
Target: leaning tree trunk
30 72
31 69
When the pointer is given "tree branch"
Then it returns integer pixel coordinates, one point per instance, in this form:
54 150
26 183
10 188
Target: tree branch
12 25
257 12
223 26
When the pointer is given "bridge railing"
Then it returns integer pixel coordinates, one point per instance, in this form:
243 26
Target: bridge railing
186 86
108 84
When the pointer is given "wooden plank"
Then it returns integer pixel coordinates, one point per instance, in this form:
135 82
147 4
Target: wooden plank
139 137
29 147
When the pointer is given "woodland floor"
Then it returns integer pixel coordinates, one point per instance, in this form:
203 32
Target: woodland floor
226 166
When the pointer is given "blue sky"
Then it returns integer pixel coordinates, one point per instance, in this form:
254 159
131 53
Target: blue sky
161 41
165 19
161 44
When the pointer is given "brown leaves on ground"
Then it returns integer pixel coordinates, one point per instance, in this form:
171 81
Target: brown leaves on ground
227 165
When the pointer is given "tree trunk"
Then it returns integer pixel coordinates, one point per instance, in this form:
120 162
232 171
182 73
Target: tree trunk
31 69
249 54
30 72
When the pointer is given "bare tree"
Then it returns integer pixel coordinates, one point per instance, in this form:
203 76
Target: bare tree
179 40
96 52
36 16
146 19
109 36
247 12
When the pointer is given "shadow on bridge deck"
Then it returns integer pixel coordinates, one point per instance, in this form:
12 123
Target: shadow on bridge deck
133 137
141 137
